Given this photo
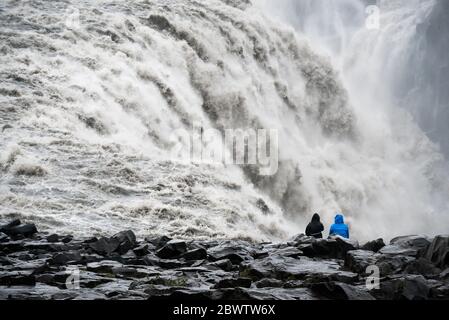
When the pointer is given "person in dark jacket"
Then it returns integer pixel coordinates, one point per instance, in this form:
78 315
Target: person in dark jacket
339 228
315 227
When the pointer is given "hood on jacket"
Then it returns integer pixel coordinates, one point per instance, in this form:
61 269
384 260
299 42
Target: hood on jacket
339 219
316 217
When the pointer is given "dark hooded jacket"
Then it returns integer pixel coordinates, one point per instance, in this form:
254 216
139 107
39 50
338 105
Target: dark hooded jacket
315 227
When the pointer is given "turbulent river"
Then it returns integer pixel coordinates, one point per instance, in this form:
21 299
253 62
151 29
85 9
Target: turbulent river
92 91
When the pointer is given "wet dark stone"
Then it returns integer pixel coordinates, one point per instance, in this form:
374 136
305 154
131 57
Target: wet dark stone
119 267
105 246
66 258
302 239
17 278
444 274
25 230
197 254
124 271
152 260
141 250
261 254
3 237
159 242
234 283
269 283
403 287
340 291
232 294
126 240
12 224
422 266
91 240
418 244
359 260
37 247
236 252
53 238
66 239
439 291
46 278
395 250
12 246
391 264
224 264
291 252
438 251
286 268
172 249
374 245
105 266
333 248
4 261
184 295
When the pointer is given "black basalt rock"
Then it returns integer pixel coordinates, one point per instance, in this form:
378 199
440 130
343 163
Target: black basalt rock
438 251
19 231
172 249
197 254
374 245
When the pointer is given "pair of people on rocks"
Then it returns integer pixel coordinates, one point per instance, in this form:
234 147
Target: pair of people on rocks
315 228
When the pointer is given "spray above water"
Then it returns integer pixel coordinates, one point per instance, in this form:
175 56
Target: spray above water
94 103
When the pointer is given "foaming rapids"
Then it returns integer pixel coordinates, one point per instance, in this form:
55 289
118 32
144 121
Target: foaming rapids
92 92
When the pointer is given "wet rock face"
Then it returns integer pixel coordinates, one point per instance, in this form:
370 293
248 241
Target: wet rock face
15 229
41 266
438 251
334 248
374 245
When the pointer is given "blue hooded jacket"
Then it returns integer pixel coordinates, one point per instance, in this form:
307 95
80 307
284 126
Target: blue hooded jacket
339 227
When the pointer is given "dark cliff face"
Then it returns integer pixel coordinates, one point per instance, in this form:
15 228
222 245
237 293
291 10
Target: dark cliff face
425 86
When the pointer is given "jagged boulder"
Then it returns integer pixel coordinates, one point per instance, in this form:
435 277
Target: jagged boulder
332 248
15 229
127 241
417 245
341 291
234 283
172 249
235 251
403 287
105 246
158 242
196 254
11 224
359 260
141 250
3 237
422 266
438 251
374 245
120 243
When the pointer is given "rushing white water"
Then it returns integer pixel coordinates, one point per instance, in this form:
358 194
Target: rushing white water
88 107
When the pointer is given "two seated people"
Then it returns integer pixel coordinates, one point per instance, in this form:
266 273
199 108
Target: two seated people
339 228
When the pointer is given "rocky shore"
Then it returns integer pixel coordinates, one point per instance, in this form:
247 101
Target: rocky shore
35 265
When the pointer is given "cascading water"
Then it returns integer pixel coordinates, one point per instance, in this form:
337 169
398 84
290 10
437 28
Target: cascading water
88 108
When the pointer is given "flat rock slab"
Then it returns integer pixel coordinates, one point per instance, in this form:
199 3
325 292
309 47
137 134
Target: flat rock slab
283 268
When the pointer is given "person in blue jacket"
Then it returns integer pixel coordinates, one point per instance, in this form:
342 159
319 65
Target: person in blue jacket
339 228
